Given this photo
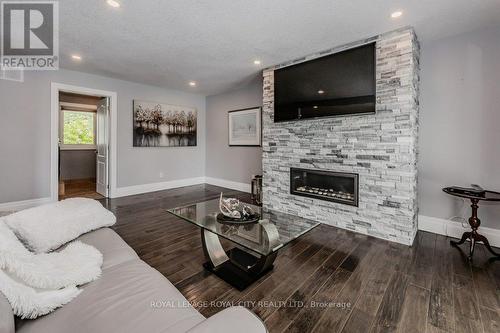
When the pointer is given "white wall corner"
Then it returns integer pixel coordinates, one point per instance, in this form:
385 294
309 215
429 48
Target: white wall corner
455 229
24 204
243 187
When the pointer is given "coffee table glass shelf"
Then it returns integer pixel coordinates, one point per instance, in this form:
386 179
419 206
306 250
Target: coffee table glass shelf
256 244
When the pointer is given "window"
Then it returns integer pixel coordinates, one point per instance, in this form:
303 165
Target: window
78 129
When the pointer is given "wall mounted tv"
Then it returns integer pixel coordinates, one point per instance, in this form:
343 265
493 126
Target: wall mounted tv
338 84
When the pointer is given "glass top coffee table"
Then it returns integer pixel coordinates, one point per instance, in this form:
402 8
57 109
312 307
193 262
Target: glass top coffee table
257 244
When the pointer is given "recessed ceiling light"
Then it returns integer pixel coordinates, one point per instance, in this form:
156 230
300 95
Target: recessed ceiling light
192 83
257 62
321 92
315 107
397 14
113 3
76 57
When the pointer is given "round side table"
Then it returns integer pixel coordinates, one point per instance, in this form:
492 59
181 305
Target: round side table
474 221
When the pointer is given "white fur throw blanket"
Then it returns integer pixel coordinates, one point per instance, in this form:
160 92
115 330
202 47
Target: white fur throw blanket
30 303
47 227
76 264
31 282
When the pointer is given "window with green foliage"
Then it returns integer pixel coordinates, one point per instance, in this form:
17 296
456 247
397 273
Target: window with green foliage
78 128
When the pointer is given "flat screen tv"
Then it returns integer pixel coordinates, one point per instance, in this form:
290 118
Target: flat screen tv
338 84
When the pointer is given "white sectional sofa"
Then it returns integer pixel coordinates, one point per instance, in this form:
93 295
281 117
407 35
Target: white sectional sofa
122 300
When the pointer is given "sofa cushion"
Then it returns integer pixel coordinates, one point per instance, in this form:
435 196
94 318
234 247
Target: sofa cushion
113 248
129 297
6 316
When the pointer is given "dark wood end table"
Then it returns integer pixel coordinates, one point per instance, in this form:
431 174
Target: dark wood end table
474 221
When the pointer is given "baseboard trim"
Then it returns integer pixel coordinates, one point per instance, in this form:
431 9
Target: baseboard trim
243 187
138 189
24 204
454 229
152 187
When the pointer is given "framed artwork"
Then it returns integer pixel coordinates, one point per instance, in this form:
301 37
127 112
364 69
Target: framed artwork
245 127
164 125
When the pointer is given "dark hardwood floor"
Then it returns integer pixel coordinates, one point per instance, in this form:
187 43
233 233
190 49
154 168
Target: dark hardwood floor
329 280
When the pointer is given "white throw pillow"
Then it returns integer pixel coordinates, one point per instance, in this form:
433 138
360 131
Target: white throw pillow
45 228
8 241
31 303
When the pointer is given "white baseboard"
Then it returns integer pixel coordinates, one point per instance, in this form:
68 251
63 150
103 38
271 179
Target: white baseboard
20 205
138 189
145 188
455 229
229 184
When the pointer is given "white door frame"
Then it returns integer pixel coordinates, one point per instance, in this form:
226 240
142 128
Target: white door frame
55 88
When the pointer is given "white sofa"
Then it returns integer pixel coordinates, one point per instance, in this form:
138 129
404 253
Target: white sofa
130 297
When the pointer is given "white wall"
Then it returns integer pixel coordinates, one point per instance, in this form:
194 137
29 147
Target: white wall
77 164
460 122
25 134
236 164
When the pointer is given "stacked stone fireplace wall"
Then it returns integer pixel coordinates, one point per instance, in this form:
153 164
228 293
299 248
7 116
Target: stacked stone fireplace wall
381 148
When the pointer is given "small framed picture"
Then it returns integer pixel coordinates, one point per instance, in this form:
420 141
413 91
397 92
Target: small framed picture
245 127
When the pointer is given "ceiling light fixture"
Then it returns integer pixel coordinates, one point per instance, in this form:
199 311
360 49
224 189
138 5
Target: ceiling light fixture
192 83
76 57
257 62
397 14
113 3
321 92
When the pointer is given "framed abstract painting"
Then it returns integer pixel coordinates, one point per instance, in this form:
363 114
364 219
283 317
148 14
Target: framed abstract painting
245 127
164 125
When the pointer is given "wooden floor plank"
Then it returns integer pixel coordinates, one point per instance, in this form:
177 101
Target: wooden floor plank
390 310
80 188
487 291
330 313
302 297
367 305
334 319
421 269
414 315
307 317
490 319
296 279
465 304
440 316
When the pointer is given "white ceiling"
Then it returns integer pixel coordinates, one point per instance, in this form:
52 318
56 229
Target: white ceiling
214 42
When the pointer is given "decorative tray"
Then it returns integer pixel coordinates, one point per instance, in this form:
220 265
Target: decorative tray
243 220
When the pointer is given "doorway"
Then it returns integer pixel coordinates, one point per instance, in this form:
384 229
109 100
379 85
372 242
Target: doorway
82 167
83 152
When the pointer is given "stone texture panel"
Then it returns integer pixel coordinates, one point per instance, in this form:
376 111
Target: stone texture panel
381 148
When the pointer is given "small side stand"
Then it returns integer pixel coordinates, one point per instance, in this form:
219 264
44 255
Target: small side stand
473 235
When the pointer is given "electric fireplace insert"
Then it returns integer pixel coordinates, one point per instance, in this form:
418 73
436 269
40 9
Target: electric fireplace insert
332 186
